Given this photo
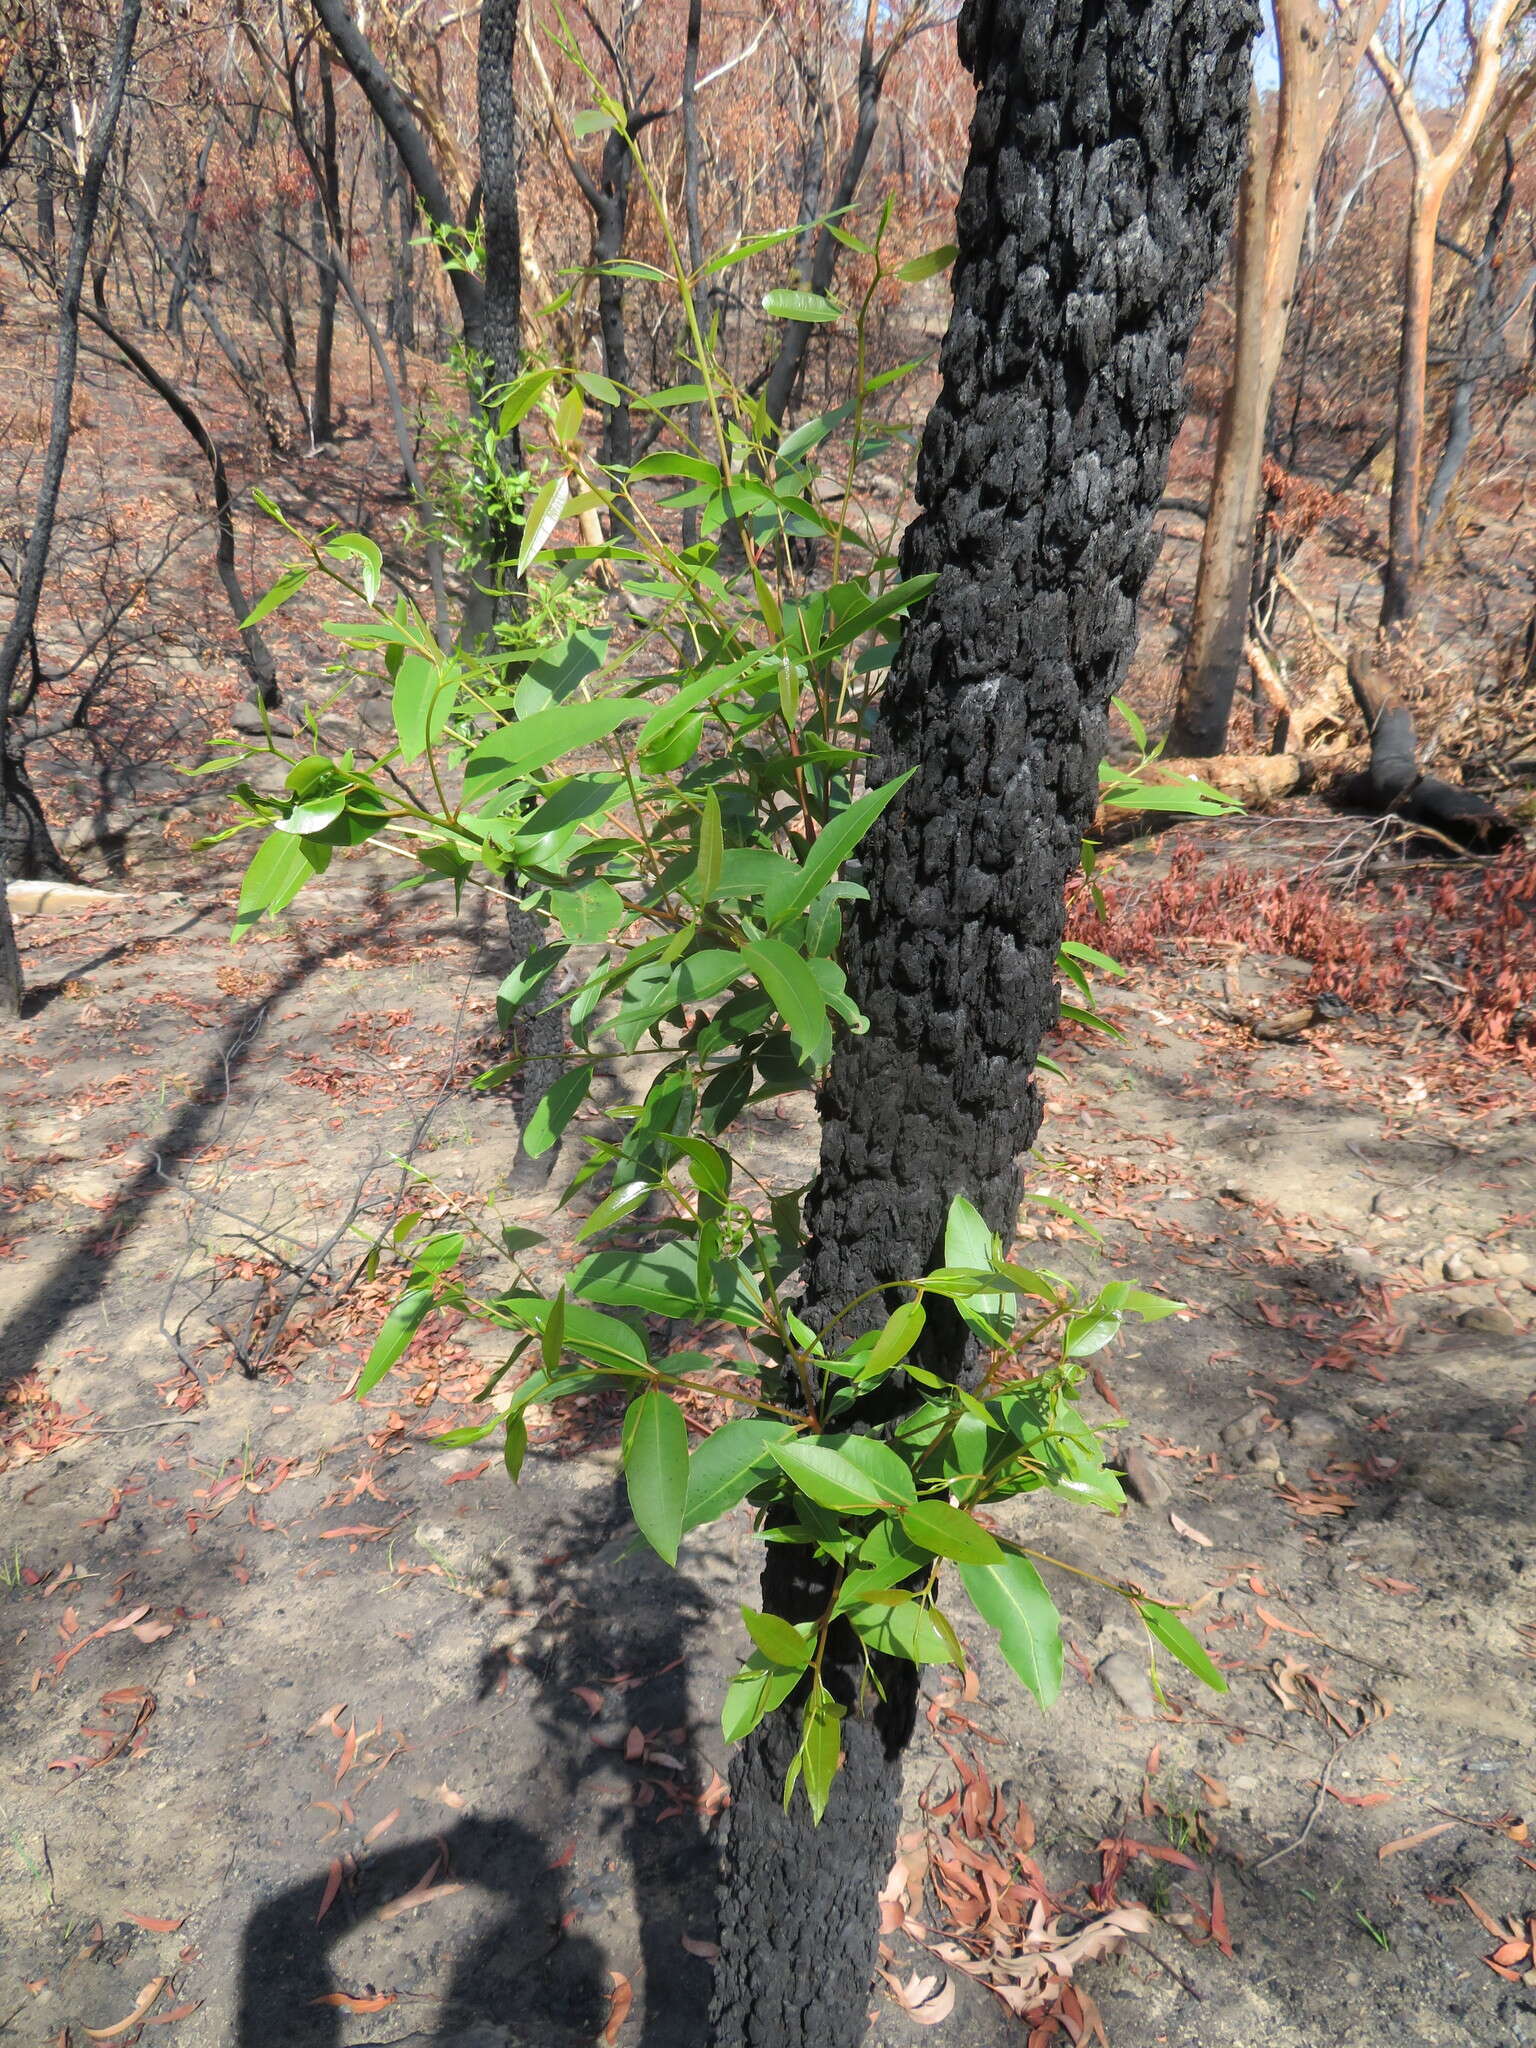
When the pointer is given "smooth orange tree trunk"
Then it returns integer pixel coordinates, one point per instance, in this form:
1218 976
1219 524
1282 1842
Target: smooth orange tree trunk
1433 171
1318 62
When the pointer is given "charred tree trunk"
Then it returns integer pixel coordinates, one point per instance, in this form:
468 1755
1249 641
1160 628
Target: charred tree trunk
1475 356
191 221
259 664
610 213
538 1030
796 338
692 167
503 265
34 565
326 229
42 159
1105 152
1393 781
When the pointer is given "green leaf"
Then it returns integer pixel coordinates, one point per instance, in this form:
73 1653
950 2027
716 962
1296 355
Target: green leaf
830 1479
821 1744
795 994
1011 1597
617 1203
753 1693
528 976
1088 1333
950 1532
743 251
921 267
1166 1628
552 1336
968 1238
554 1111
532 743
664 1282
1186 797
881 1465
903 1328
603 389
287 584
606 1340
592 912
411 703
357 547
543 516
711 856
810 307
901 1627
280 867
1076 950
727 1465
779 1640
471 1433
656 1469
515 1449
834 843
552 676
516 400
393 1340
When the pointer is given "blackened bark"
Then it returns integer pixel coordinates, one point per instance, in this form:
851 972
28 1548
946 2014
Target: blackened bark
191 221
42 158
395 117
796 337
326 228
692 165
503 339
34 565
1476 356
538 1031
538 1039
1105 153
259 665
1394 783
610 212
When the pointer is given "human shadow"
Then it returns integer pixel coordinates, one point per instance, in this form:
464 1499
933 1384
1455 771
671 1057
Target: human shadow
523 1970
604 1674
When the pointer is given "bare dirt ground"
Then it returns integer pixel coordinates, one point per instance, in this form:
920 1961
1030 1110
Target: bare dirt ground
329 1737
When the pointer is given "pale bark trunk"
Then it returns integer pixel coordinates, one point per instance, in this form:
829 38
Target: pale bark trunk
1317 67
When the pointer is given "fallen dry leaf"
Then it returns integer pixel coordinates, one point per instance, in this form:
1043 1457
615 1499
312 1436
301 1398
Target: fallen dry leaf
1363 1798
155 1926
1102 1936
352 2001
1412 1841
620 1999
1190 1533
1482 1914
927 2000
709 1950
380 1827
145 2000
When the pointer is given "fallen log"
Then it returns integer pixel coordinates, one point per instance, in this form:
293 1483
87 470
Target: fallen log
1392 781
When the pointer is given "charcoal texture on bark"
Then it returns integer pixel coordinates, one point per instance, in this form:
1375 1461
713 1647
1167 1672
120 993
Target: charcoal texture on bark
1105 153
